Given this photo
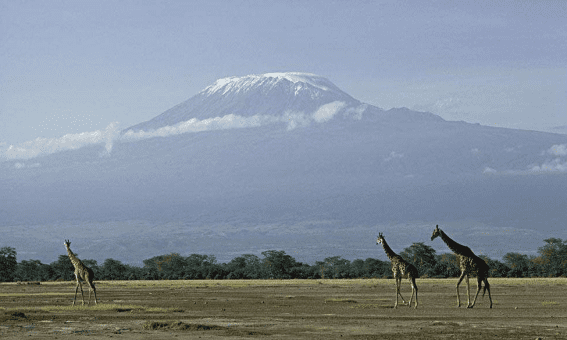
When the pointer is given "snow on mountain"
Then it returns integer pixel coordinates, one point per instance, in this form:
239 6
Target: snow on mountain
271 94
271 80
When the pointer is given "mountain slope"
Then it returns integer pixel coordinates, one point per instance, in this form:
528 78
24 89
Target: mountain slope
321 186
272 94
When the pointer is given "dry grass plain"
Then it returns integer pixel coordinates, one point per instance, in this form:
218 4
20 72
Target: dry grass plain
290 309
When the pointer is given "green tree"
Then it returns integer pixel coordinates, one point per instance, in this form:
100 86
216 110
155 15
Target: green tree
278 264
247 266
34 270
8 264
198 266
357 269
377 268
446 265
496 268
113 270
553 257
157 267
301 271
334 267
422 257
519 265
63 268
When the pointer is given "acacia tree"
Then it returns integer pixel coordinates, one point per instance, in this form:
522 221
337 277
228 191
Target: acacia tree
421 256
518 265
553 257
377 268
196 267
278 264
33 270
334 267
113 270
247 266
8 264
446 265
63 268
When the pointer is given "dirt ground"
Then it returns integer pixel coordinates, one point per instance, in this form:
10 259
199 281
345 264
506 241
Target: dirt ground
291 309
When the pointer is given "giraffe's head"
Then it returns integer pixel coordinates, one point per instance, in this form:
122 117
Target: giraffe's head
380 239
436 232
67 243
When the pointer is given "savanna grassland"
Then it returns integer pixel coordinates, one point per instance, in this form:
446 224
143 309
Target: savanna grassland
290 309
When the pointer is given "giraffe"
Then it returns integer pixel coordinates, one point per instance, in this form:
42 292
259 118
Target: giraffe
400 268
81 272
470 265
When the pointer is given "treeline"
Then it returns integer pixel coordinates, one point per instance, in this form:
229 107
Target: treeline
551 261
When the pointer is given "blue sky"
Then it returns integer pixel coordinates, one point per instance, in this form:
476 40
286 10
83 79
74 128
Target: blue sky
77 66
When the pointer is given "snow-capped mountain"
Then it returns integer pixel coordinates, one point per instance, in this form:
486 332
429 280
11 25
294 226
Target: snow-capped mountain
285 161
272 94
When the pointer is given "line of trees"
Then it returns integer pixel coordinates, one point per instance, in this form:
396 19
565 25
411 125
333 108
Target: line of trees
276 264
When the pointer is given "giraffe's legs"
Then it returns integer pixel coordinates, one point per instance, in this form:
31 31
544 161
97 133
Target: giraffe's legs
468 292
486 287
413 290
479 285
76 290
93 288
458 283
82 293
399 290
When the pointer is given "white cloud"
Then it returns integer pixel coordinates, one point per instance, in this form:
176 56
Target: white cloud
230 121
489 170
107 137
295 120
558 150
555 165
44 146
327 111
356 112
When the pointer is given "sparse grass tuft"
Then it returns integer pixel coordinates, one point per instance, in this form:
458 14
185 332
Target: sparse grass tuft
340 300
178 325
549 303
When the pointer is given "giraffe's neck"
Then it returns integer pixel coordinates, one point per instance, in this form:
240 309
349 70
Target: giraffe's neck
74 260
457 248
389 252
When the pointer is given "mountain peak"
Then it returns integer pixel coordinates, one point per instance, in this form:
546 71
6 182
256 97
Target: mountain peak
269 94
244 84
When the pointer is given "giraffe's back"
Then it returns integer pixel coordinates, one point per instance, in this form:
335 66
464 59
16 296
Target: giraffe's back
406 269
474 266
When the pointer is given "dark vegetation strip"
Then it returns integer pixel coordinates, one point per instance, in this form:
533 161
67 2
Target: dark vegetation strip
551 261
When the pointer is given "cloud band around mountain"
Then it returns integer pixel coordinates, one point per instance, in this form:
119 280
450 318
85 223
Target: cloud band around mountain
110 135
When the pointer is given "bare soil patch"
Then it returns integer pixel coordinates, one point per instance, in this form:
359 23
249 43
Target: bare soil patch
290 309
